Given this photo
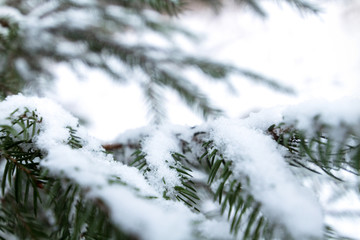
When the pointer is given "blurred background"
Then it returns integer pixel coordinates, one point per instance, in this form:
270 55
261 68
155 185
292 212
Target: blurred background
316 55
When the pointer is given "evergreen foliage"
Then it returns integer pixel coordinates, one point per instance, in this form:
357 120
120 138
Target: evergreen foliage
63 211
72 188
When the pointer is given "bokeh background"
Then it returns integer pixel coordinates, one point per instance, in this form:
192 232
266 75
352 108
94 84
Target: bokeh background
316 55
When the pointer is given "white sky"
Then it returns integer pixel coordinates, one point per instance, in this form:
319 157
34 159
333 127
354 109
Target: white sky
318 56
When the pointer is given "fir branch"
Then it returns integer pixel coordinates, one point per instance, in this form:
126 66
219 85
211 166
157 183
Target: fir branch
188 190
219 71
327 154
74 141
139 161
243 211
51 194
258 78
119 146
253 5
189 93
185 193
330 233
169 7
304 6
21 157
154 98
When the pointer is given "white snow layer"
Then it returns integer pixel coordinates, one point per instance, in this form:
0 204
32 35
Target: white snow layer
256 155
92 168
159 147
243 141
335 113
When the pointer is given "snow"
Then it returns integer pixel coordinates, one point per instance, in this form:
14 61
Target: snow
92 168
124 15
158 148
23 68
149 220
334 113
4 31
326 54
11 12
44 9
215 229
256 155
340 112
84 2
68 48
